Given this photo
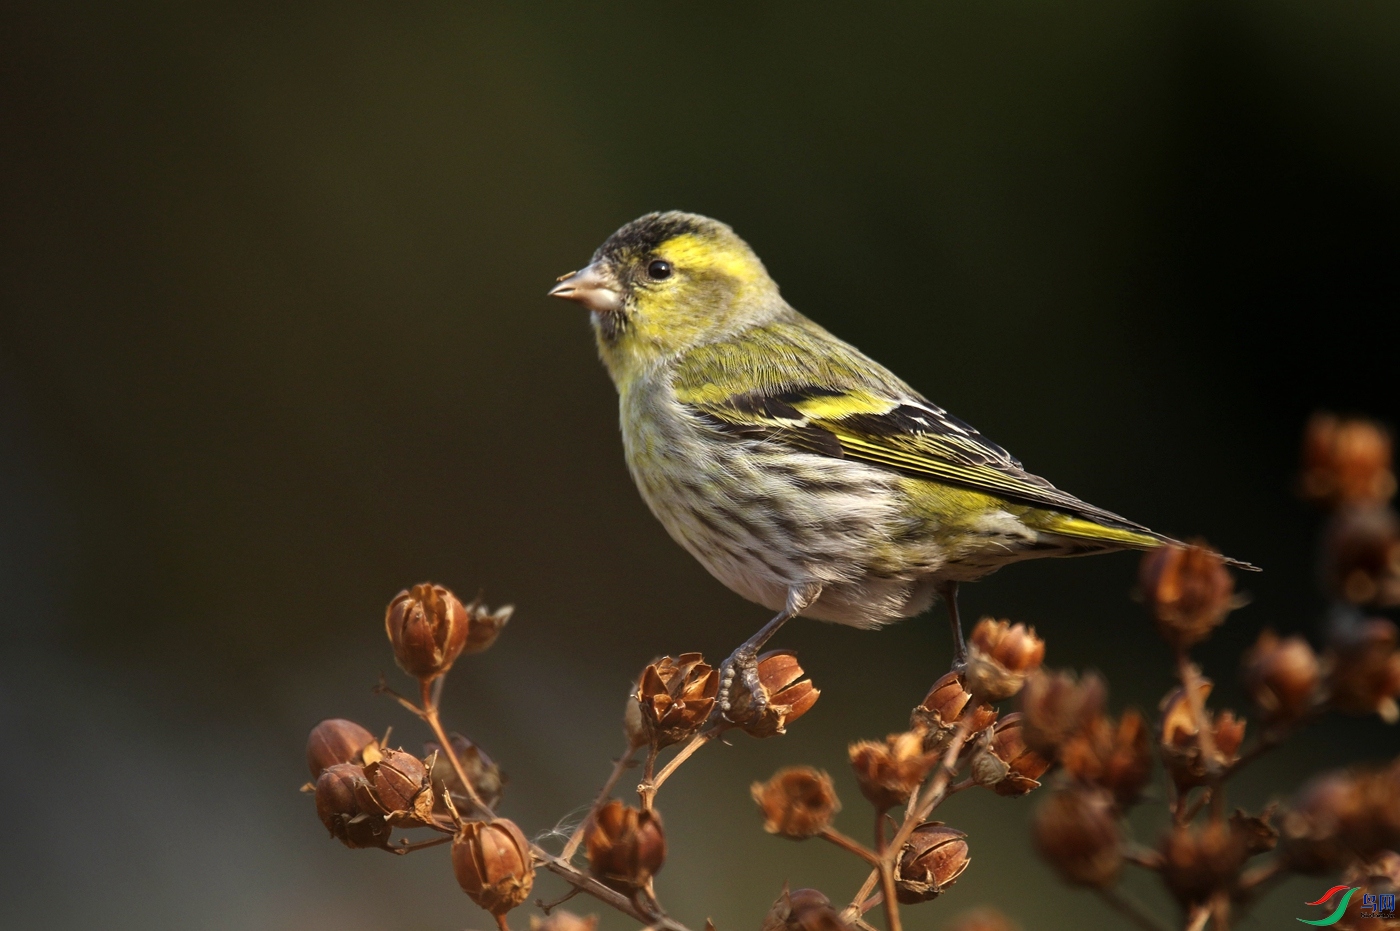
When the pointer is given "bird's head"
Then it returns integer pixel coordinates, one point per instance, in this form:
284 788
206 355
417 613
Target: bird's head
667 282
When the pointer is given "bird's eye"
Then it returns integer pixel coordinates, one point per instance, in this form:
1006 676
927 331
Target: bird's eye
659 270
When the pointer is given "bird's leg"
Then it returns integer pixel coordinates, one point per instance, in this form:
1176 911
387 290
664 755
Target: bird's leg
743 662
949 592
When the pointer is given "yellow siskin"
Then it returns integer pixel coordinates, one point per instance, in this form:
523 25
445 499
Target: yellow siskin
801 473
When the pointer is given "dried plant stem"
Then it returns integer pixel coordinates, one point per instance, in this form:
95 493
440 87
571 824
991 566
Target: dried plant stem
622 764
919 806
1190 678
587 884
409 848
429 714
1121 903
685 753
849 844
1198 918
1145 857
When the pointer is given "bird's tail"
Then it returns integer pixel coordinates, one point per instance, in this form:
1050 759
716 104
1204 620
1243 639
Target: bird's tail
1127 536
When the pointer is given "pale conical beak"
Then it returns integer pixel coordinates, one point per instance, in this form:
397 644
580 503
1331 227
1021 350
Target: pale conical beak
591 288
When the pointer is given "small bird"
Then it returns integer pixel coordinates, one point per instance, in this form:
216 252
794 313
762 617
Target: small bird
801 473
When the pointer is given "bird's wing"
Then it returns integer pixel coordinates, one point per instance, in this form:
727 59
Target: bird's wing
853 411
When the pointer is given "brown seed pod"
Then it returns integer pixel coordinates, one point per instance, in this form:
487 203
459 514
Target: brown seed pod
931 860
485 625
784 698
493 864
1178 743
338 807
1006 765
486 777
803 910
1056 706
1198 861
626 846
1364 668
335 740
1188 591
1116 757
1000 655
889 772
1346 461
1310 828
428 628
1282 677
675 697
938 714
1076 832
797 803
563 920
1361 556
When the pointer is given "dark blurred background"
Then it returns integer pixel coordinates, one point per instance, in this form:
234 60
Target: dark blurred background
274 344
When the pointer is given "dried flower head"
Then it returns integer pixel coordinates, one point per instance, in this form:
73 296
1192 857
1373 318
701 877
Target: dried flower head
396 785
493 864
1364 667
784 698
336 740
626 846
1198 861
428 628
675 697
1377 826
1361 556
1000 656
1116 757
1056 706
338 807
1188 590
563 920
1076 832
1004 763
803 910
1346 461
931 860
1281 675
1310 829
1181 747
485 625
487 779
938 714
797 803
889 772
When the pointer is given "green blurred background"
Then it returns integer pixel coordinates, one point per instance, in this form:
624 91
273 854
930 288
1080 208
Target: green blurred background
274 344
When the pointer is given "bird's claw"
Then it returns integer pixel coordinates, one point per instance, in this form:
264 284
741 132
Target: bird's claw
740 668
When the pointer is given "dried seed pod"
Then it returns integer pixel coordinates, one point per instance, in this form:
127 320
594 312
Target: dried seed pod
889 772
999 657
1310 829
336 740
486 777
1199 861
803 910
1364 668
338 807
938 714
1376 828
485 625
1076 832
675 697
626 846
1116 757
1056 706
563 920
493 864
784 699
1346 461
797 803
428 628
1281 675
1188 590
1361 556
1005 764
931 860
1256 832
1178 743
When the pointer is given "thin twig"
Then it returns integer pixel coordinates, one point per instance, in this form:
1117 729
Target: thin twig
429 713
685 753
849 844
409 848
619 767
587 884
1199 916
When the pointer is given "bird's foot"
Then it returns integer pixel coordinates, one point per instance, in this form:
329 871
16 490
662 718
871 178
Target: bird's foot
739 674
